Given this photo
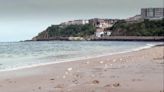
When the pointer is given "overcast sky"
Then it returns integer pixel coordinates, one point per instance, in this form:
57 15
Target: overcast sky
23 19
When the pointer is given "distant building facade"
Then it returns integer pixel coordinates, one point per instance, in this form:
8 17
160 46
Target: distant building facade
108 33
152 13
102 23
101 26
99 32
76 22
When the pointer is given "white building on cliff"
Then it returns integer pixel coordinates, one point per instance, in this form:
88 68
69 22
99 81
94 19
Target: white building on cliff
101 26
76 22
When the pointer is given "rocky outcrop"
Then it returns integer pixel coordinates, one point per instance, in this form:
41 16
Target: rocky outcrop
41 36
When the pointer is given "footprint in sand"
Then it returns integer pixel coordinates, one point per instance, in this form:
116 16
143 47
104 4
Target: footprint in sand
39 88
162 91
8 80
59 86
108 85
75 81
52 79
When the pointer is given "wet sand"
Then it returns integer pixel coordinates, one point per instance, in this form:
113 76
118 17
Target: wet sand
139 71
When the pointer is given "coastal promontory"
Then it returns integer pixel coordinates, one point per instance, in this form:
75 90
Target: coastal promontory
100 28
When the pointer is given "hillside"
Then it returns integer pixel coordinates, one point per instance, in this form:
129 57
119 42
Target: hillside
121 28
145 28
58 31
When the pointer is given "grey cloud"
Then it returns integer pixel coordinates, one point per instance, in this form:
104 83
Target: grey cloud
14 8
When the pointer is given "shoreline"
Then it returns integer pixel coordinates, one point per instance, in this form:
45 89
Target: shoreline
84 58
108 38
125 72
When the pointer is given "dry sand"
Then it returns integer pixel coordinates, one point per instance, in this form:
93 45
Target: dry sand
139 71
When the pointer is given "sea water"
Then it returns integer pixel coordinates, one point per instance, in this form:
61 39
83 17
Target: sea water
18 55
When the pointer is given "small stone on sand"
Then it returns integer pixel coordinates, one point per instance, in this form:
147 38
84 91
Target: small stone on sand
75 81
116 84
52 79
77 75
114 60
39 88
69 69
101 62
87 62
95 82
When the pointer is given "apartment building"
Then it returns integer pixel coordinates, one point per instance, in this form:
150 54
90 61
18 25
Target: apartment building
152 13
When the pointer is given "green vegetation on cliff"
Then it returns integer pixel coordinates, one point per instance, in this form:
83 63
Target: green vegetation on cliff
145 28
121 28
71 30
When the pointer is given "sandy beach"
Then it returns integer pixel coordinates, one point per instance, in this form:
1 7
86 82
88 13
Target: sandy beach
138 71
